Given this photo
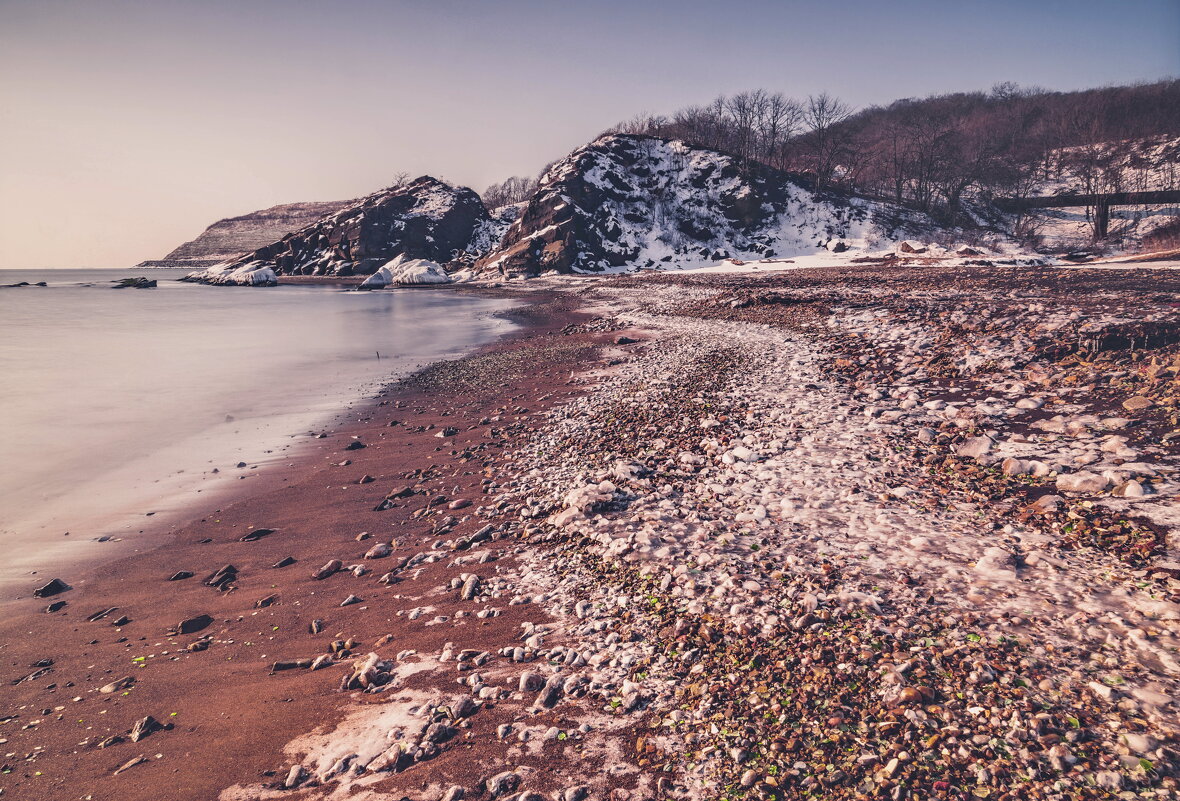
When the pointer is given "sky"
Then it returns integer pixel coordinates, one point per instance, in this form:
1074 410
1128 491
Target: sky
127 127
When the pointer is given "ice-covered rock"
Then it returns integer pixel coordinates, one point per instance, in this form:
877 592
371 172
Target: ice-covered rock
402 271
254 273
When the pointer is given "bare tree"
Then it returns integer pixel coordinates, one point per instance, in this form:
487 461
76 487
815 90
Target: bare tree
822 116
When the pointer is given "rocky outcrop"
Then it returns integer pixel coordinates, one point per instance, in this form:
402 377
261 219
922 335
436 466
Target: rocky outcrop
426 219
229 238
631 201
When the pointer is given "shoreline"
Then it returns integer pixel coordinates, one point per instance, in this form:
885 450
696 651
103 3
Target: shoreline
723 536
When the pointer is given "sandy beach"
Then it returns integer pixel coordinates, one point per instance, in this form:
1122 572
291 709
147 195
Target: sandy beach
838 533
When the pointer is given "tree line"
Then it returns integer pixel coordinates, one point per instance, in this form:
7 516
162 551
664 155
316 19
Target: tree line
925 153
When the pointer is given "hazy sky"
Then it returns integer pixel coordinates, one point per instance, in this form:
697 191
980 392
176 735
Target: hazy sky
127 127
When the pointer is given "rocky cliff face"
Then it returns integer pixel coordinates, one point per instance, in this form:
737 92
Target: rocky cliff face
630 201
229 238
425 219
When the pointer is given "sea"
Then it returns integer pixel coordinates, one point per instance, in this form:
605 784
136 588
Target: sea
117 405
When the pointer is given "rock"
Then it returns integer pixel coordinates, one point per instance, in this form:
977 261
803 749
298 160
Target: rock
551 692
284 562
365 479
56 606
502 783
53 587
256 535
424 219
291 664
193 624
1082 481
1128 489
332 567
624 340
180 575
379 551
135 283
974 447
454 793
459 503
1137 403
144 727
223 578
470 588
1046 504
139 760
316 626
910 247
355 445
594 210
295 777
350 600
269 600
115 686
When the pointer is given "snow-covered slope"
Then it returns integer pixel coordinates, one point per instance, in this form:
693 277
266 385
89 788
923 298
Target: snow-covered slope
425 219
629 201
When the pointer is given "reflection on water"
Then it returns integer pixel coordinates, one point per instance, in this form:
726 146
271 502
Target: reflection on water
106 393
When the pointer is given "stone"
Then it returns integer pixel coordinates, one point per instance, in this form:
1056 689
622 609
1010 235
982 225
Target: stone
1128 489
330 568
139 760
470 588
974 447
256 535
350 600
53 587
379 551
295 777
120 684
286 561
180 575
355 445
1137 403
193 624
144 727
1082 481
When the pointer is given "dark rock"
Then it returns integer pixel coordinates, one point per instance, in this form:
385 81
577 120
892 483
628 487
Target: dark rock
223 578
122 621
355 445
290 664
193 624
56 606
622 340
180 575
135 283
257 534
269 600
144 727
54 587
424 219
350 600
99 615
284 562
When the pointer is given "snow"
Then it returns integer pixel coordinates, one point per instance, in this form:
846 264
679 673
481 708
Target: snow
671 205
406 272
255 273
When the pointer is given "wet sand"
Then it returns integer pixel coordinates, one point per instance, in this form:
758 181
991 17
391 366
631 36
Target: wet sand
228 715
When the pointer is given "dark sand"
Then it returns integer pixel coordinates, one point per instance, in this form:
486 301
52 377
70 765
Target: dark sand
230 715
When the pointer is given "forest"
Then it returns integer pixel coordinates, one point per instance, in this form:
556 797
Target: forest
932 153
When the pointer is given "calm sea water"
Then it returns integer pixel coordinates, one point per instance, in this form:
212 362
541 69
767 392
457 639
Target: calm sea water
114 403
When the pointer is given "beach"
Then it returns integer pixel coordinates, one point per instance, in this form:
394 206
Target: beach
848 532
